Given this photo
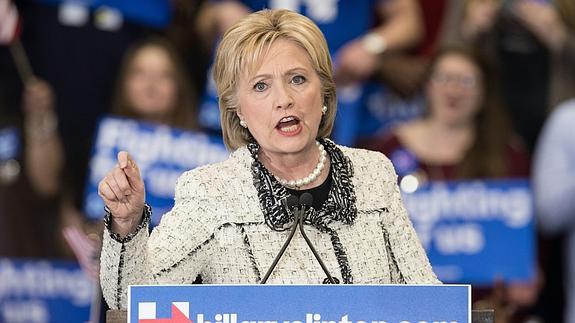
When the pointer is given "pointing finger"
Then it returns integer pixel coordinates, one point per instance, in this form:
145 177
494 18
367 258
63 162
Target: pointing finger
131 169
123 159
133 173
122 181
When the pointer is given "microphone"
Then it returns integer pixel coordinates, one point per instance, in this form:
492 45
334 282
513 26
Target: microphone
306 200
291 203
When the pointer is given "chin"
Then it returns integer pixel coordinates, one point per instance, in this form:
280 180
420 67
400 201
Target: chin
293 145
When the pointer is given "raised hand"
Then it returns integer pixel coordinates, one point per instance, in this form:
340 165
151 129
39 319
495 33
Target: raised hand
543 20
354 63
123 192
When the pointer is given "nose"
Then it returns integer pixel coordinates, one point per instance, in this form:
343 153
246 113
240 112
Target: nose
283 97
452 89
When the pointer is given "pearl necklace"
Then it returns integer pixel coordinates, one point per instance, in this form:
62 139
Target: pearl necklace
295 184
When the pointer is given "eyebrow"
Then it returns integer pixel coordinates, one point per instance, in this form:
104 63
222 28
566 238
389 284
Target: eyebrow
291 71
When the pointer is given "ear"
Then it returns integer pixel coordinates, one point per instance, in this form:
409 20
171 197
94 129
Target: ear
239 113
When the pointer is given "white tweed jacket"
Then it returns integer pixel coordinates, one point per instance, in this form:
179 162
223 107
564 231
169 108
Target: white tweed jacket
217 230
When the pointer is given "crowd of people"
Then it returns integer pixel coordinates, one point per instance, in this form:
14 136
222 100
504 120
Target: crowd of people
465 87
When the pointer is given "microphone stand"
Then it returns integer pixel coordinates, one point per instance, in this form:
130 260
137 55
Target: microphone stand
299 206
291 203
306 201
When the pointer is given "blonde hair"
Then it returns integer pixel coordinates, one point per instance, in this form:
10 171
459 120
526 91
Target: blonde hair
242 48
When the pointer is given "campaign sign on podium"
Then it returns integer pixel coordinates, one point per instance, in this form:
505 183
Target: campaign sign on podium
300 303
476 231
162 154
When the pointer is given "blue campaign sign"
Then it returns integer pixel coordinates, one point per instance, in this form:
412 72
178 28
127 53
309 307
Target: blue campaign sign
43 291
476 232
300 304
162 154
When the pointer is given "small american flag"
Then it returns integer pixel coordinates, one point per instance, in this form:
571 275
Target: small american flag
10 23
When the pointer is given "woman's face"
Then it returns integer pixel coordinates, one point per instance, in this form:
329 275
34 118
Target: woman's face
150 84
282 101
455 90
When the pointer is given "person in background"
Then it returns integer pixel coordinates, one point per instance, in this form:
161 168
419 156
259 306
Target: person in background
30 183
463 135
151 87
404 71
534 42
186 36
554 188
553 24
277 103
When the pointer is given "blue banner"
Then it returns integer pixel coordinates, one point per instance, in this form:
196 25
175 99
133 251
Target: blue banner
157 13
162 154
476 232
43 291
300 304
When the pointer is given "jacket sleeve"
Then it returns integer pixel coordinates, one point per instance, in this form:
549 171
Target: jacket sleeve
174 253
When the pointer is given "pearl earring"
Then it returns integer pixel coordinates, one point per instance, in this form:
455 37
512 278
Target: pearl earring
243 124
323 110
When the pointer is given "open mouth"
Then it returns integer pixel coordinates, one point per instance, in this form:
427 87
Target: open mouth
288 125
452 104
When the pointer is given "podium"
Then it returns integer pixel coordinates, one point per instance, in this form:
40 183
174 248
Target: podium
477 316
300 304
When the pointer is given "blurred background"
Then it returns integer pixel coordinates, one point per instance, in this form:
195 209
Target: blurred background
468 97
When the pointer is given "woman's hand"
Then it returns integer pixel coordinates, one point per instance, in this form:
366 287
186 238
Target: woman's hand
123 192
354 63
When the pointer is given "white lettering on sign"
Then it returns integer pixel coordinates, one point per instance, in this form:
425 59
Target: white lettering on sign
42 280
470 201
324 11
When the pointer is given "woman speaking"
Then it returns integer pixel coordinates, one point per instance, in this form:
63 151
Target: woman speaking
231 220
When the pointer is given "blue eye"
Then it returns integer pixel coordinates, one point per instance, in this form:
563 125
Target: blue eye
298 79
260 86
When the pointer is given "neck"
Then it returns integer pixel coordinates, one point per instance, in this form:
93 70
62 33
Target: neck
158 118
443 143
450 131
295 166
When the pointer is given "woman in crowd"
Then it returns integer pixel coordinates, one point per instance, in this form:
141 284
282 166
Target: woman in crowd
463 135
277 105
152 86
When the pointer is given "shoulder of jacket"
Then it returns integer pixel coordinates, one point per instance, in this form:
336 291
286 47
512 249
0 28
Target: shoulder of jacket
366 159
215 178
